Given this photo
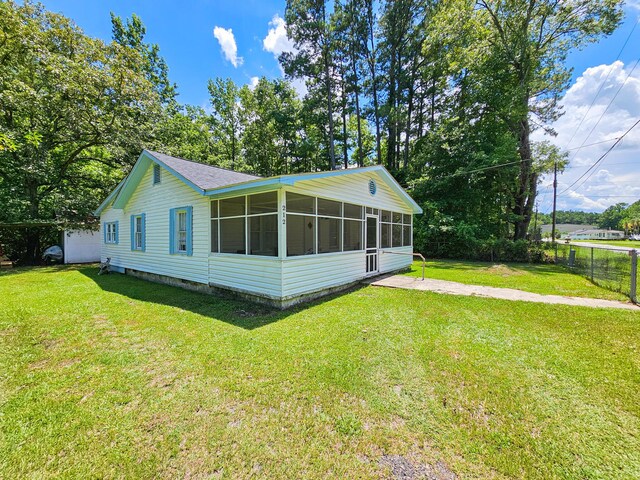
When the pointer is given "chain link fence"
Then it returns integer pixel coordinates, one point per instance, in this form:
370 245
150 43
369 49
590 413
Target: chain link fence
615 269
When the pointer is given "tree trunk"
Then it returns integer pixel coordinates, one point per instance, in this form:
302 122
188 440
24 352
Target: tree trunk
527 183
345 147
374 80
357 100
327 74
405 160
392 119
32 234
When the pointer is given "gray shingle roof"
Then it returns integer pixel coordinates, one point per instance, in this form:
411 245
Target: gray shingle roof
203 176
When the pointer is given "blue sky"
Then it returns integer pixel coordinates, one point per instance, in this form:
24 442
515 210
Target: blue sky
185 33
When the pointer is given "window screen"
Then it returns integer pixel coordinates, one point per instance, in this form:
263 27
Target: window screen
297 203
301 235
232 236
352 235
263 238
231 207
329 234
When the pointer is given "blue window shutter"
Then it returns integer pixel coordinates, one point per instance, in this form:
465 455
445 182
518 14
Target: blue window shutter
117 232
189 230
133 232
104 232
144 231
172 231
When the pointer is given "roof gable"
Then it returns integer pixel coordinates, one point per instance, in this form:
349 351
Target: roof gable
199 176
214 181
204 177
275 182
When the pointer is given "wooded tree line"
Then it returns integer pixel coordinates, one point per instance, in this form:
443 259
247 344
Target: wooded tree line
444 94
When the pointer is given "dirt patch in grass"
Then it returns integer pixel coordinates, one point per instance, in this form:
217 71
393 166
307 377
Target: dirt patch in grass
504 270
401 468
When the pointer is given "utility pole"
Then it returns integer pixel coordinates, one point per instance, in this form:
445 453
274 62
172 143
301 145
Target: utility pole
555 196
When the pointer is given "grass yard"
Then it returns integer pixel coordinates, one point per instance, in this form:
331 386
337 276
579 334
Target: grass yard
536 278
621 243
114 377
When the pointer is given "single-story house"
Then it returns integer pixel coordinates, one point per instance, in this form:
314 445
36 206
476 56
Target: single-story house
596 234
278 240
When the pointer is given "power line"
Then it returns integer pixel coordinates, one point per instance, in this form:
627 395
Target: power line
602 157
606 196
602 85
591 144
487 168
490 167
605 110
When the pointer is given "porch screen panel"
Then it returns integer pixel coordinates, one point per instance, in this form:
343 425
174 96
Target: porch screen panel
301 235
329 234
352 235
263 238
232 235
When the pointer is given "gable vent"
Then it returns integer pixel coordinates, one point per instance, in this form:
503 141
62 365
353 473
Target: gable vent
156 174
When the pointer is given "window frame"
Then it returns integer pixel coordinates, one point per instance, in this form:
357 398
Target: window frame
110 232
396 220
174 230
138 240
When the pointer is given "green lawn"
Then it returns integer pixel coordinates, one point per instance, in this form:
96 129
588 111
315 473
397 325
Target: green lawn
621 243
536 278
114 377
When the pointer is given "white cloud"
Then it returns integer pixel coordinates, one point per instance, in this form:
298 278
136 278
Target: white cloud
633 4
253 82
617 177
277 40
228 45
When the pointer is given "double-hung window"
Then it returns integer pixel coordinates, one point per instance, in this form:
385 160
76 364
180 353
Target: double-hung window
110 230
181 230
138 232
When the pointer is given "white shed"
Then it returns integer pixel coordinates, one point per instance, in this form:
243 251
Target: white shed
280 240
81 246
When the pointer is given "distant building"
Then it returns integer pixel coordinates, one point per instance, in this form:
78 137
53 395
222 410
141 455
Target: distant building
596 234
566 227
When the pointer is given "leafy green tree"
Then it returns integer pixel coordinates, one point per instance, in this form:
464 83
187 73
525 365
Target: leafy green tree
131 34
613 216
525 66
226 121
185 131
309 26
270 135
71 107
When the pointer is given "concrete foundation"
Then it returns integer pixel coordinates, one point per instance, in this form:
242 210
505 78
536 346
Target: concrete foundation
238 294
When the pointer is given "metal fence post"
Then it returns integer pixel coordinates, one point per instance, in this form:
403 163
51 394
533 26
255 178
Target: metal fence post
592 264
634 275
